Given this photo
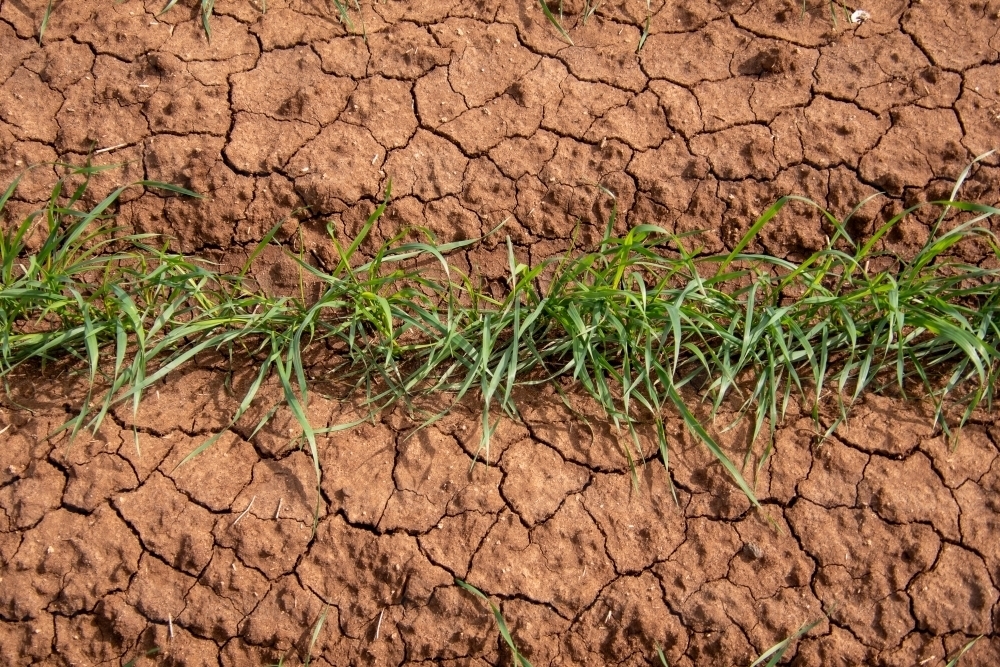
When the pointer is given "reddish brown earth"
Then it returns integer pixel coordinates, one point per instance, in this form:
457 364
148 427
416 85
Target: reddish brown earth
479 112
107 544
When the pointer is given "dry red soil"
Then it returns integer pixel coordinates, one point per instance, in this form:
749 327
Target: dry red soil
478 111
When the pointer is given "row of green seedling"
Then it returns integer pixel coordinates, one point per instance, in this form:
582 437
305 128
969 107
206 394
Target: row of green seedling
643 323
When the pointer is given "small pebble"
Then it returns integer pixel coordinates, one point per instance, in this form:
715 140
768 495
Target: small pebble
752 550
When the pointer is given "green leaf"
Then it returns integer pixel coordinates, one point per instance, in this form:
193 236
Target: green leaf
555 22
501 623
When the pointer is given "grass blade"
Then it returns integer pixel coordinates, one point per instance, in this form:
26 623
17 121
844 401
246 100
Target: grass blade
555 22
45 21
777 652
958 656
501 623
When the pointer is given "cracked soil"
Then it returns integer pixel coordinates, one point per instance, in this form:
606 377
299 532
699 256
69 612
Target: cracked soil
479 112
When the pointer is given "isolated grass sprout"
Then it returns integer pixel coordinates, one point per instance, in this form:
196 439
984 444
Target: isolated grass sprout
638 324
962 651
645 29
556 22
313 636
518 659
774 654
206 9
134 661
589 8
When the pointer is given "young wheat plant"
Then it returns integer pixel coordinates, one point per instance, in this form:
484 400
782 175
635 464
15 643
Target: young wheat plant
638 324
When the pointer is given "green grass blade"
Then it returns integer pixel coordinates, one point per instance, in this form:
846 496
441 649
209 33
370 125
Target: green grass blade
764 218
45 21
555 22
697 429
965 649
501 623
344 17
315 635
134 661
207 6
777 652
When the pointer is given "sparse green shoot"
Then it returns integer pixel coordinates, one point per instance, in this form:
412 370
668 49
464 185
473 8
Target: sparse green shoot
519 660
777 652
589 8
45 21
662 658
205 9
962 651
135 661
555 21
315 634
343 16
645 29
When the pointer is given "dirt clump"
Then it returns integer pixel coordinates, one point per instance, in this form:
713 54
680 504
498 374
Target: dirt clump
337 110
588 562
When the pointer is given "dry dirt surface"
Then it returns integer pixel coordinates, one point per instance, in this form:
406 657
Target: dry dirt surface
479 111
109 549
